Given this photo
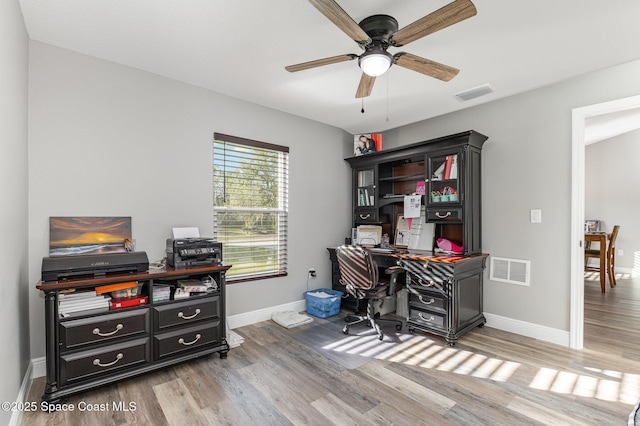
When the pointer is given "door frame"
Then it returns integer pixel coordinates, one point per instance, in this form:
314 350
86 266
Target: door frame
579 119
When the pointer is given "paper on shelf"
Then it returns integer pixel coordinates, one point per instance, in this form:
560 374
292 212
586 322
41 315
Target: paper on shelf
412 205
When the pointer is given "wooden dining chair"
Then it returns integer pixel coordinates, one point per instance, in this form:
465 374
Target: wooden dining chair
611 256
609 253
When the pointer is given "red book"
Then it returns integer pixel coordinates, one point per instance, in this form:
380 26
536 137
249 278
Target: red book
129 301
447 167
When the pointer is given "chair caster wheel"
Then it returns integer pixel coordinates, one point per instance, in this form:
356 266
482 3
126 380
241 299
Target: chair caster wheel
345 330
380 337
399 327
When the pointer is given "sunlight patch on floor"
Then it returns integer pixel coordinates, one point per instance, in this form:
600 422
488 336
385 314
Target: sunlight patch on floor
410 349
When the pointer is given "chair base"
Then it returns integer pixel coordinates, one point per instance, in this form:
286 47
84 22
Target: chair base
371 319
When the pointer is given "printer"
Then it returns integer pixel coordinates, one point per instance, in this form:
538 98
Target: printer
57 268
196 251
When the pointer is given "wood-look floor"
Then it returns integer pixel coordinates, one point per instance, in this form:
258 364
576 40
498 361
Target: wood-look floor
279 377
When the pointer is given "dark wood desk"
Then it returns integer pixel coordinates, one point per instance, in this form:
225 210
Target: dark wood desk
601 238
445 292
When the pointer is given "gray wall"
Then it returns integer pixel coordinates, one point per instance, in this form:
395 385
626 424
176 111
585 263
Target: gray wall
107 140
611 193
526 164
14 303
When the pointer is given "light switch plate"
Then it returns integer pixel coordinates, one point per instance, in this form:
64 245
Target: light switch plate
536 216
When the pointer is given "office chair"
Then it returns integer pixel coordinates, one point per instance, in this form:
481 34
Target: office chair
359 274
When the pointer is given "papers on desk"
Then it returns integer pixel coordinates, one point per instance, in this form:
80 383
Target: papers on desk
368 235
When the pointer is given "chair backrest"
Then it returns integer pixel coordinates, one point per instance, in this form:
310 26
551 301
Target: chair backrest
612 240
357 267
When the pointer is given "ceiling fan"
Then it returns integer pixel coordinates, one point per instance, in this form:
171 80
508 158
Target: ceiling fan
377 33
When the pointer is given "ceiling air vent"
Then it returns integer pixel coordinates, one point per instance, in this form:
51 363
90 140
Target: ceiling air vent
512 271
476 92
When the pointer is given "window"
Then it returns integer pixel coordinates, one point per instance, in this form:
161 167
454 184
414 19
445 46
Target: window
251 205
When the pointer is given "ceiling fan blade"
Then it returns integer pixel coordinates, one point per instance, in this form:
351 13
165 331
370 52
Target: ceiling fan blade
341 19
366 86
320 62
425 66
454 12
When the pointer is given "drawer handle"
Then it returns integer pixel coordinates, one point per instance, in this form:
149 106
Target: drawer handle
426 303
97 361
182 342
426 284
431 318
111 333
181 315
365 216
441 216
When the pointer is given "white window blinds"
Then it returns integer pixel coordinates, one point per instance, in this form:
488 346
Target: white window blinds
251 204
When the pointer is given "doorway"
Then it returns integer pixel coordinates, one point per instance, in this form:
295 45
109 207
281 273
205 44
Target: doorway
580 118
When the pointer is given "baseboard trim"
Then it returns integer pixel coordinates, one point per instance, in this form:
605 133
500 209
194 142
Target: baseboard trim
16 416
248 318
39 367
536 331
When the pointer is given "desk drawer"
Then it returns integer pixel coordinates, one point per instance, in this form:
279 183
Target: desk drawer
188 312
184 339
106 359
103 328
361 216
424 300
444 215
428 276
427 318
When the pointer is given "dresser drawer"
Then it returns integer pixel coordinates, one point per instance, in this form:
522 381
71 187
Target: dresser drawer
185 339
182 313
425 300
427 318
444 215
103 328
106 359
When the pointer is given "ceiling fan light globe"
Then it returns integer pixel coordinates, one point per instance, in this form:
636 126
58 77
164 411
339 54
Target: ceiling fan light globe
375 61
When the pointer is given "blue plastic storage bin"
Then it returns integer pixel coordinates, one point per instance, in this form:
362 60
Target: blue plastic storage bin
323 307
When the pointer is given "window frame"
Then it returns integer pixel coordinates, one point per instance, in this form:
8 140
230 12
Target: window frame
282 210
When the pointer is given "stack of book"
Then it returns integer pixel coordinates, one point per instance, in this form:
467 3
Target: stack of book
161 292
192 286
127 302
81 301
124 295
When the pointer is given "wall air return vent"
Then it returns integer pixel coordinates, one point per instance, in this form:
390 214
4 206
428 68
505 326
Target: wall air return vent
512 271
476 92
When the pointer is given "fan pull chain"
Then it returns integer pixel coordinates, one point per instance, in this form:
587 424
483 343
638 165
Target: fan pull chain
362 110
387 120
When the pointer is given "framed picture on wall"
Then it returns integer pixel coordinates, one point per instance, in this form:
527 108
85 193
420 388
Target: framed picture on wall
367 143
591 226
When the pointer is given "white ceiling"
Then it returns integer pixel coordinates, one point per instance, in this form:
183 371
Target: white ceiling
240 48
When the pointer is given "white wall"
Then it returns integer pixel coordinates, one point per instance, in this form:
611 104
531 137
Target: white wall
526 164
612 172
106 140
14 303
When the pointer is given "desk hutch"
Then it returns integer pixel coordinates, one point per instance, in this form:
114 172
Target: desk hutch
445 292
91 348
